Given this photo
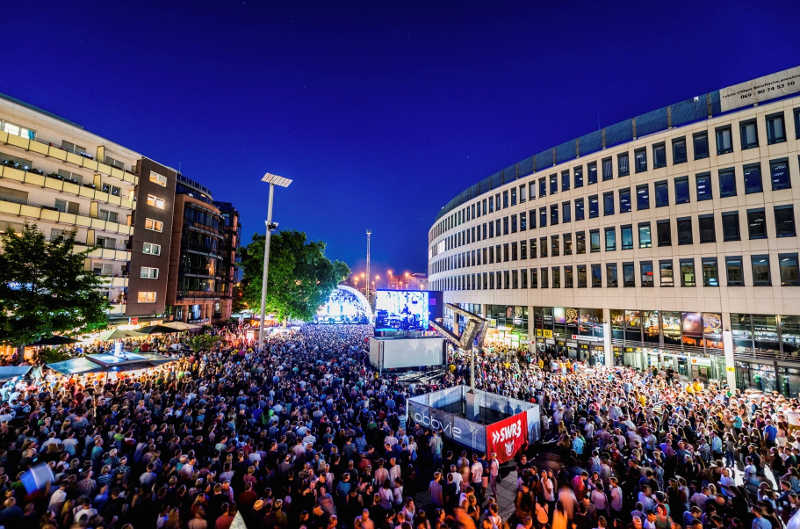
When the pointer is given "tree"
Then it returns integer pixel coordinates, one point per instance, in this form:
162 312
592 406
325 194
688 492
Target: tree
300 276
44 287
202 342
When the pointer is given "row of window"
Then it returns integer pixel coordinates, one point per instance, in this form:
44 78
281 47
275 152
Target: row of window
612 238
748 138
657 195
581 276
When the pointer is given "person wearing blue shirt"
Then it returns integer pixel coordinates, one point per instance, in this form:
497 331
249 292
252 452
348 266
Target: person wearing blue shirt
770 433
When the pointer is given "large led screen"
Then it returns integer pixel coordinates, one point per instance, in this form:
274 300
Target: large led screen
404 310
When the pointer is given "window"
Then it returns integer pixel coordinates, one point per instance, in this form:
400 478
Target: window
724 141
55 233
645 239
700 140
665 278
542 217
158 179
154 225
661 191
682 190
556 274
146 297
611 239
710 277
597 276
554 247
779 174
580 242
148 272
611 275
108 188
703 186
591 176
640 159
545 279
664 233
514 251
491 205
608 203
687 272
581 276
749 133
543 246
646 273
761 276
505 199
684 230
16 130
628 275
624 200
553 214
752 178
155 201
790 273
65 206
593 207
776 131
534 278
679 150
594 241
532 219
532 246
542 187
513 196
567 240
797 123
105 242
608 169
568 281
622 164
105 214
523 251
566 212
734 271
565 180
727 183
513 224
659 155
531 190
730 226
757 223
642 197
553 183
579 209
523 277
626 234
707 231
496 202
505 252
784 221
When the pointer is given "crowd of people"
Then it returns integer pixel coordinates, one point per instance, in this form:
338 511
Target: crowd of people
305 434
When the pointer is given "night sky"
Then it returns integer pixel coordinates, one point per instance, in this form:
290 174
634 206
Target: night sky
379 114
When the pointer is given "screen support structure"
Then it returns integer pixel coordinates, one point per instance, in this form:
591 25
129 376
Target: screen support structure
470 340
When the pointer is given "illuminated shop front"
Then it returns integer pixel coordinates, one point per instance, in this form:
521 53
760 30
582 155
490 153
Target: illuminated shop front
688 343
766 349
508 326
574 332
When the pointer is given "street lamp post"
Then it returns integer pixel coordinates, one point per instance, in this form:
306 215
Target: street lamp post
273 180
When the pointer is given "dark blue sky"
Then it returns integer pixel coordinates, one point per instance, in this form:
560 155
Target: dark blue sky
380 114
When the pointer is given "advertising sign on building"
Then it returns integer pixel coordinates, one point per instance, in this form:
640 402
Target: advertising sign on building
762 89
506 437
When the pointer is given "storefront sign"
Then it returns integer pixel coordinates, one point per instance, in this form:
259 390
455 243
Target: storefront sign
587 338
762 89
550 341
701 361
506 437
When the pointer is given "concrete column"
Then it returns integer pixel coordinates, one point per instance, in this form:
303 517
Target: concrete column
531 331
607 349
730 366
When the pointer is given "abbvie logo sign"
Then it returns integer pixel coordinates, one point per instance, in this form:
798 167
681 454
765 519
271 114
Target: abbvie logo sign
448 429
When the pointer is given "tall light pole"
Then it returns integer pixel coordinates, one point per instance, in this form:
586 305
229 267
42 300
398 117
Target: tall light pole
273 180
368 276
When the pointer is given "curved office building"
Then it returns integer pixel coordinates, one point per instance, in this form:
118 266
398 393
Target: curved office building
666 240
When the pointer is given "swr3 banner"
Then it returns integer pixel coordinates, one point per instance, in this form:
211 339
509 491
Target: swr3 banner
506 437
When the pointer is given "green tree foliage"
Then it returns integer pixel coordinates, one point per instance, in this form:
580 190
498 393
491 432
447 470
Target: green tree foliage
300 276
44 287
202 342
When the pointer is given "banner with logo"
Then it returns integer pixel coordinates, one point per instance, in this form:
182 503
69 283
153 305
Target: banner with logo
506 437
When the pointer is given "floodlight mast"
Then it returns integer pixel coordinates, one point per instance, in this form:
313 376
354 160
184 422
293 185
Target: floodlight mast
280 181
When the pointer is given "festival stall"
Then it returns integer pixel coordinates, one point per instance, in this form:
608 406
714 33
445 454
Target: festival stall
483 421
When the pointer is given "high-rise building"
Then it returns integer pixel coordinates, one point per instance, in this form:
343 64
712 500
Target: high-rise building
667 240
156 238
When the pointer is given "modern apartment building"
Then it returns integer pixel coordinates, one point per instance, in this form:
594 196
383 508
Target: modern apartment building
666 240
229 270
140 218
61 177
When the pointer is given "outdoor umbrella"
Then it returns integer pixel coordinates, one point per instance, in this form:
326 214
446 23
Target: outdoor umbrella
54 340
158 329
118 334
182 326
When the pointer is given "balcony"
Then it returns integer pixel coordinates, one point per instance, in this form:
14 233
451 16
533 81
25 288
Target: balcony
51 214
81 160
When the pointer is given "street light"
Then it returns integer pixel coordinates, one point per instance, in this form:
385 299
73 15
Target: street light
273 180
